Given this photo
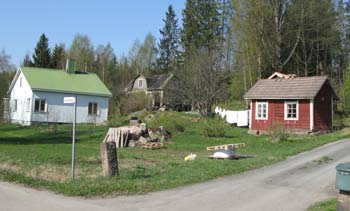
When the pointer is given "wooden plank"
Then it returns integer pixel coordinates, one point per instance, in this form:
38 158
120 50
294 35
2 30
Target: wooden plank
226 147
152 146
106 138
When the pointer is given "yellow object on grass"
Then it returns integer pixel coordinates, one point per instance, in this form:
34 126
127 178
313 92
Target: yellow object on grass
190 157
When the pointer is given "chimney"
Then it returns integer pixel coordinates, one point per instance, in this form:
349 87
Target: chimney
71 66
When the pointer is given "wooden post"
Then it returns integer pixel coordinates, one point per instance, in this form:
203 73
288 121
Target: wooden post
153 101
109 159
161 98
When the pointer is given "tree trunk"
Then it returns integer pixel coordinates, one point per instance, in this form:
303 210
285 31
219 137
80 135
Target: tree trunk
317 51
278 43
222 33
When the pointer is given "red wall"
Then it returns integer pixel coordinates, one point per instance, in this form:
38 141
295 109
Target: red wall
323 109
276 114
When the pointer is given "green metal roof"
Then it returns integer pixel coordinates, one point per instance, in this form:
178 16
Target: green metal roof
60 81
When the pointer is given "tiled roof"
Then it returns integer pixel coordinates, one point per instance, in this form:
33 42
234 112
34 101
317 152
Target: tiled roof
154 82
294 88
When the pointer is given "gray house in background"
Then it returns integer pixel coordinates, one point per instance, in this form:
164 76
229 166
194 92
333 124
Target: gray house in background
154 87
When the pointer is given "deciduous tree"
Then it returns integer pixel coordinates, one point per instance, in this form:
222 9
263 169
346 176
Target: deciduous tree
5 62
201 82
83 51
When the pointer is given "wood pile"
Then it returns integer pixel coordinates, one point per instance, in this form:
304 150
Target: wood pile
137 135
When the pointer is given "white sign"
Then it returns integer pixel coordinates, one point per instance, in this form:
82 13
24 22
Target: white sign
67 100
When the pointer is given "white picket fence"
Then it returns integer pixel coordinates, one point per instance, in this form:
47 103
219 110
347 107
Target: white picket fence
241 118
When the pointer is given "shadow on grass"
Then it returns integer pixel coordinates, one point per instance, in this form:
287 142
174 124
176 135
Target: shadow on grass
11 128
45 138
229 136
42 134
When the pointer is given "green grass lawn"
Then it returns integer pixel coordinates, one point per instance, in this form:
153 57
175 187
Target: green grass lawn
38 157
328 205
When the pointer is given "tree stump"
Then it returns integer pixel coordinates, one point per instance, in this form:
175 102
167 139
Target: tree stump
343 201
109 159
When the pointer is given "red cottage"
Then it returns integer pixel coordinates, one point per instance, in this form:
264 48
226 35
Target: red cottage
301 104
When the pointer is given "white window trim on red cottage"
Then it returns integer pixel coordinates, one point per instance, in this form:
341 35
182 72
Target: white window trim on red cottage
259 114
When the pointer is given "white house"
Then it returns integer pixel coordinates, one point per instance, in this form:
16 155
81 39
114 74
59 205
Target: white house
36 95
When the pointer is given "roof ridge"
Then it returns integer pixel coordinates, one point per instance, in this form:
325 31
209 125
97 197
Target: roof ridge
55 70
291 79
42 68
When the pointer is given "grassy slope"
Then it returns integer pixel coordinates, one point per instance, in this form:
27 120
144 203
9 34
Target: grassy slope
40 158
328 205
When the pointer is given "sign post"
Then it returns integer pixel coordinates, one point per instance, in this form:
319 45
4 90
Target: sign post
70 100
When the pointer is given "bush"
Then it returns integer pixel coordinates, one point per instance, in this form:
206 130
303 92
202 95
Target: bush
232 105
118 121
135 102
277 133
172 121
213 127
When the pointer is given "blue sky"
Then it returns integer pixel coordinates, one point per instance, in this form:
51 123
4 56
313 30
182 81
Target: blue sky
120 22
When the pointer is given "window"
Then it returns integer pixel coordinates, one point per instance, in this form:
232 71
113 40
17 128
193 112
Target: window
40 105
28 107
261 111
291 110
93 109
20 82
140 82
14 105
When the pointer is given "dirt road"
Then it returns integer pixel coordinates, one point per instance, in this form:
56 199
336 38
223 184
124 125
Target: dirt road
293 184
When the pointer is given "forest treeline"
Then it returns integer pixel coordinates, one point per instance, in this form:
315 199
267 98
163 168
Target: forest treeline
221 48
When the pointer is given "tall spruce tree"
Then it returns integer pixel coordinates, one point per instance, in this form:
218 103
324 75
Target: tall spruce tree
58 57
169 42
200 26
41 56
